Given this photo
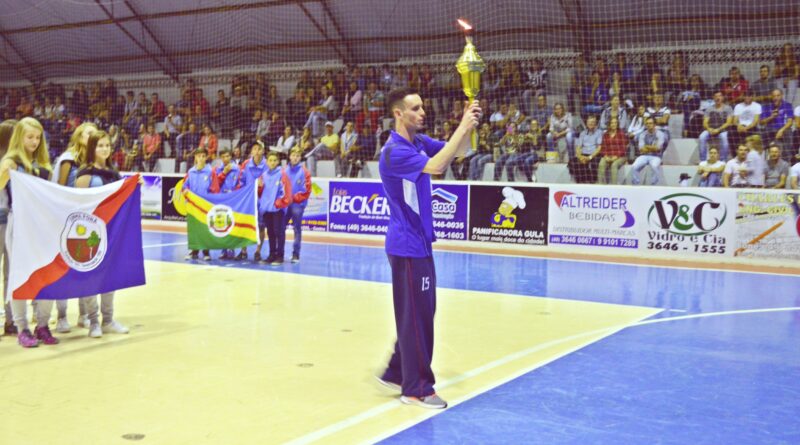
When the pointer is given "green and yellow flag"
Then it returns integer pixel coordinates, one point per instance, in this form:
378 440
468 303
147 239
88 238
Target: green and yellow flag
222 220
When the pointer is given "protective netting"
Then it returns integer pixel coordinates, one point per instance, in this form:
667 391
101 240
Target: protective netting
230 62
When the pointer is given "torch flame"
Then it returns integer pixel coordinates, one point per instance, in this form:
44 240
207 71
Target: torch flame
464 25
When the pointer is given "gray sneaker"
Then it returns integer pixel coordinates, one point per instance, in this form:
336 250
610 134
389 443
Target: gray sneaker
387 384
432 401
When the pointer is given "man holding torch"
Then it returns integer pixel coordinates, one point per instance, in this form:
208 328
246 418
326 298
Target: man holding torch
406 162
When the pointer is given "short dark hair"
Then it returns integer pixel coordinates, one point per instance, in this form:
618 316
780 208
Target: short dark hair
396 96
225 151
200 150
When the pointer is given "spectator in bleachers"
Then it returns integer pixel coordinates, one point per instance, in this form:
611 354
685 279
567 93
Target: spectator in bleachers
499 120
399 78
595 95
263 127
716 122
734 87
79 102
151 148
794 174
689 101
484 154
776 120
348 140
756 161
363 150
199 117
561 128
185 143
490 82
273 101
746 115
787 72
352 102
238 104
613 154
209 141
777 169
618 87
736 172
762 88
373 104
157 108
296 109
117 109
651 145
172 127
143 105
614 110
326 149
535 84
645 76
541 111
661 113
531 150
711 170
621 66
635 128
510 145
287 141
601 67
583 166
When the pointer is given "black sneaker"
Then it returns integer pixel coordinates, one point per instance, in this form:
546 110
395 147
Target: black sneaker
268 260
278 261
257 257
242 256
295 259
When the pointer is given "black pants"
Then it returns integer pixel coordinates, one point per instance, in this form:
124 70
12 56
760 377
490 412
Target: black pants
414 292
583 173
276 232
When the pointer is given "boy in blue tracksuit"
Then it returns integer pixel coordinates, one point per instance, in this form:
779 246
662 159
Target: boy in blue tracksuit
225 180
249 172
198 179
300 180
275 198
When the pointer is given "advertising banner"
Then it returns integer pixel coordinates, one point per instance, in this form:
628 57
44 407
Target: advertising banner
151 195
450 204
768 225
696 222
506 214
169 212
315 216
357 207
594 216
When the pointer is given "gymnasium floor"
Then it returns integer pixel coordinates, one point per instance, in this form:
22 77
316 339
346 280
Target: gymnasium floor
528 351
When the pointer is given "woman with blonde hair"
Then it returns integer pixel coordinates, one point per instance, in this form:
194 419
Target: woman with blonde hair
65 173
27 153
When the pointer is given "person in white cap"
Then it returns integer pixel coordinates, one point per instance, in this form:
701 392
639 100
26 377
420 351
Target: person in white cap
328 148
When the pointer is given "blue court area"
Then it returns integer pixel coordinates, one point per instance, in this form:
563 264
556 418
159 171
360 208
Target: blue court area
719 364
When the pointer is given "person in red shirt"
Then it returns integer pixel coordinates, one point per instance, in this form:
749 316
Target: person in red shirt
615 143
151 147
157 108
209 141
735 86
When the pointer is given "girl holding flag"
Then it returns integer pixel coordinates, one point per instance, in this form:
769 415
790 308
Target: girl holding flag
65 173
27 153
97 172
6 129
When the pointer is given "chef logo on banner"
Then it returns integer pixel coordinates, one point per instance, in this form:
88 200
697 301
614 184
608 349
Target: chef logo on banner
689 223
516 215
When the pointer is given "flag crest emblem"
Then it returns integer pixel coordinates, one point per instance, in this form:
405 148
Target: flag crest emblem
84 241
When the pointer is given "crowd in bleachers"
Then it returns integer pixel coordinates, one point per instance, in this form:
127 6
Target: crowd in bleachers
614 114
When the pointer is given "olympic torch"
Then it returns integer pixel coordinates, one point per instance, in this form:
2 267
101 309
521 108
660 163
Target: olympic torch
470 66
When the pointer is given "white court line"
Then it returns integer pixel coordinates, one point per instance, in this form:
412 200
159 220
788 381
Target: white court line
380 409
163 245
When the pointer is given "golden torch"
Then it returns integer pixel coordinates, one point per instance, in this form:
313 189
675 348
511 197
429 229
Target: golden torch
470 66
